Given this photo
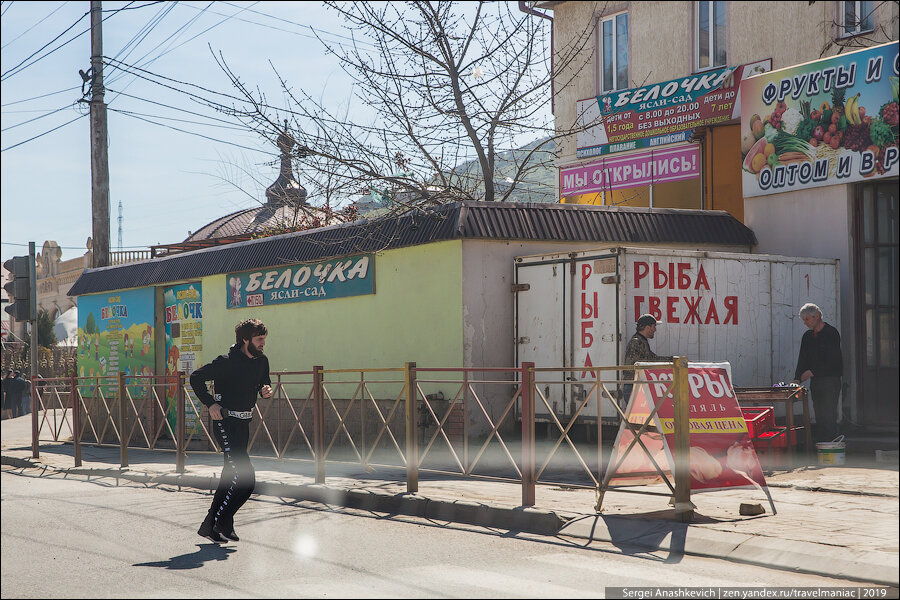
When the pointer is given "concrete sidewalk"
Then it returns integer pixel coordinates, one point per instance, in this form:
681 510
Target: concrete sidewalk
831 521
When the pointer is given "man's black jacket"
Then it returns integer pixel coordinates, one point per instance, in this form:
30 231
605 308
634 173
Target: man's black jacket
237 378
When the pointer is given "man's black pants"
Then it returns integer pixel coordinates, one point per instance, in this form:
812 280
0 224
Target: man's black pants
825 392
238 476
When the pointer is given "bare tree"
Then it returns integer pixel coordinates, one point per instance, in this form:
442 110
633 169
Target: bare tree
437 85
854 31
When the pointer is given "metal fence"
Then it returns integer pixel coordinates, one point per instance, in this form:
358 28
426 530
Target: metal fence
410 418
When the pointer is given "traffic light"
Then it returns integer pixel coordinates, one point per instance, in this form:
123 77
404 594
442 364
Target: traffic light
19 289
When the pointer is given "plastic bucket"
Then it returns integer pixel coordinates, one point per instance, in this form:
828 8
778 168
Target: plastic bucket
832 453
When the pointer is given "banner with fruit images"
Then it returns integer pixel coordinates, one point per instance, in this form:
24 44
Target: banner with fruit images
826 122
722 453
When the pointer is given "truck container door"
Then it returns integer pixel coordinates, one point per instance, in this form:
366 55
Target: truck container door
542 326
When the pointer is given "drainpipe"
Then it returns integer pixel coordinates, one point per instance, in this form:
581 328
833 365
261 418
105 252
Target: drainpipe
523 6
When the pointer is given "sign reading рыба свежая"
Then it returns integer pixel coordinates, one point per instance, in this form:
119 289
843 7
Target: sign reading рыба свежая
338 278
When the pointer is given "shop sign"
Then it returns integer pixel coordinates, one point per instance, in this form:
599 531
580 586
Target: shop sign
338 278
661 113
721 454
633 170
831 121
183 308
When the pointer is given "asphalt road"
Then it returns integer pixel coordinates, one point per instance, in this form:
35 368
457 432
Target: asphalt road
73 538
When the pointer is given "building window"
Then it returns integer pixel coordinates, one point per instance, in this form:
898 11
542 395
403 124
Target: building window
856 18
711 35
614 53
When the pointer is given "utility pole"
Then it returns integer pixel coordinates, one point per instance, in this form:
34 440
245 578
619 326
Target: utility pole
99 157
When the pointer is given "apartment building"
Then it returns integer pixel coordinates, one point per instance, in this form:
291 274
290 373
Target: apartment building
648 99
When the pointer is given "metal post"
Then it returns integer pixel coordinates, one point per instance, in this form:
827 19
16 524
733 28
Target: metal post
465 409
35 447
684 508
33 347
123 422
76 419
528 434
319 423
179 423
412 440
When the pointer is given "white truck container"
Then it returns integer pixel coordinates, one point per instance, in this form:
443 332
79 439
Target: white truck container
579 309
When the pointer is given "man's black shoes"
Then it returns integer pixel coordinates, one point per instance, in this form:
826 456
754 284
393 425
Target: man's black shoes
209 532
230 534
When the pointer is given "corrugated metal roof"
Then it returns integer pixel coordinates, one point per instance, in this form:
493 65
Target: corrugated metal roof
507 221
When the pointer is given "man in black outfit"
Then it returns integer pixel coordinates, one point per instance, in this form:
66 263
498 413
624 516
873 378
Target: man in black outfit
821 362
238 377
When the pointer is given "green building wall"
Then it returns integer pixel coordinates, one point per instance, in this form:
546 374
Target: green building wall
414 315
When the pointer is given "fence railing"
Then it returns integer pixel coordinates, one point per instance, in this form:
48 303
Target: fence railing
474 422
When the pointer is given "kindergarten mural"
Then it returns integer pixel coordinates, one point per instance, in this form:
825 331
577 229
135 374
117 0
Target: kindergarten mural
184 342
115 334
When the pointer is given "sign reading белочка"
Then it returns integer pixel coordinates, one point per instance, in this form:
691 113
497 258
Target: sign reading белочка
338 278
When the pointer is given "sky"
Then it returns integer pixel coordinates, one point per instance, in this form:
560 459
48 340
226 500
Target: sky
174 164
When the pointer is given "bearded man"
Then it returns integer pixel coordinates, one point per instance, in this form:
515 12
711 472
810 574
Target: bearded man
238 377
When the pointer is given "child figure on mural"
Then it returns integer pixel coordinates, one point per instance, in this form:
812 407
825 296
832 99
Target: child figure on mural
146 349
238 377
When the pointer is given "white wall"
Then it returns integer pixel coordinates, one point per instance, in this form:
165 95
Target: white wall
816 222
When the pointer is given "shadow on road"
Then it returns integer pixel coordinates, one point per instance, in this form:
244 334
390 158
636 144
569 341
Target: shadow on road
633 536
194 560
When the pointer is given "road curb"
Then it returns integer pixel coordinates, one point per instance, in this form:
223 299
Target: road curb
529 520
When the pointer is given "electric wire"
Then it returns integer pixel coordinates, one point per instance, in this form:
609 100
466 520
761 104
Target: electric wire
16 69
57 9
74 87
22 66
43 134
134 116
37 118
135 113
316 31
142 34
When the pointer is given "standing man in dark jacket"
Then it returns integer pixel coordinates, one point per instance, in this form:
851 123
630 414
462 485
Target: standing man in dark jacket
638 350
822 363
238 377
15 391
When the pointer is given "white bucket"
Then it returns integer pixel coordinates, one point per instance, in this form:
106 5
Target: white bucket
832 453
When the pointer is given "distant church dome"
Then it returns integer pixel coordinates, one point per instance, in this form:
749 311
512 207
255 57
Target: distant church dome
285 206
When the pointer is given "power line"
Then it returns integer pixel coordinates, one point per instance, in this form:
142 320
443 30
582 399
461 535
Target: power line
41 96
132 113
141 35
42 134
33 26
13 71
135 116
19 67
169 106
36 118
315 32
